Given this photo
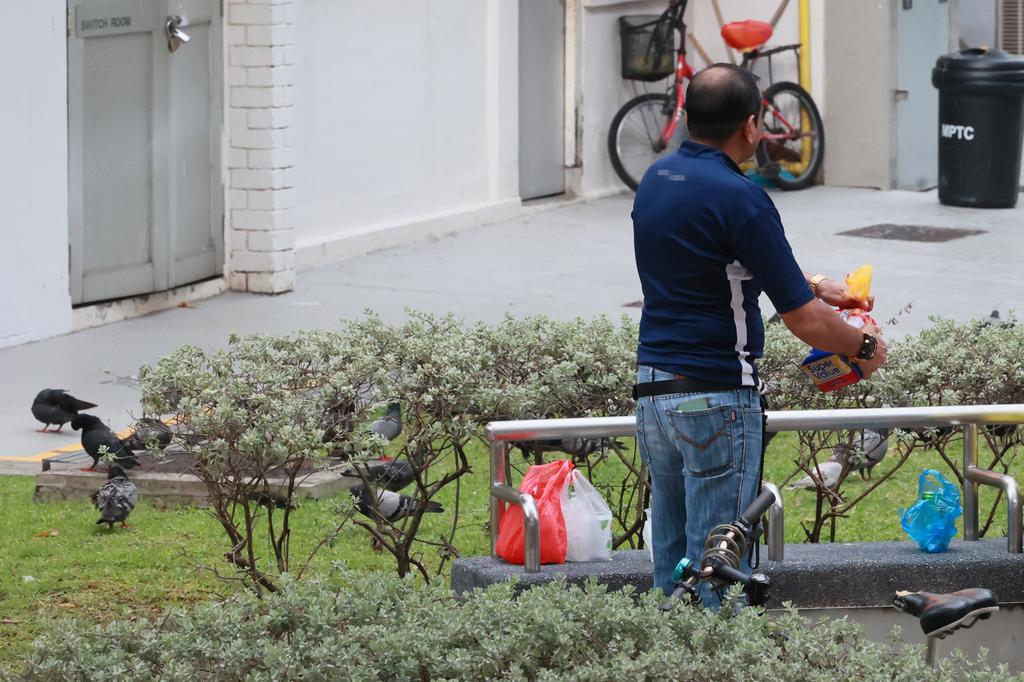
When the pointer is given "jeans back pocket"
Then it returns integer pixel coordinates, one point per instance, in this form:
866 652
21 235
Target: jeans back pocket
705 439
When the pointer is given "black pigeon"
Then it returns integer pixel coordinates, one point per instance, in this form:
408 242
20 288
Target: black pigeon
96 434
392 474
268 500
579 448
390 425
337 423
388 506
116 498
56 406
149 431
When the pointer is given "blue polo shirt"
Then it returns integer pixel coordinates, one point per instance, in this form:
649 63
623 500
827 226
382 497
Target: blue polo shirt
708 240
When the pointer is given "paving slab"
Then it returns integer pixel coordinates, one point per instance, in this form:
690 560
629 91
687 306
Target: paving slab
560 260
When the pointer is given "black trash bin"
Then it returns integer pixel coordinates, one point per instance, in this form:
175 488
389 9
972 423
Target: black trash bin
981 120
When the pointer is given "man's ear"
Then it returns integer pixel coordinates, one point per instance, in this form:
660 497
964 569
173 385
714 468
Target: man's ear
750 128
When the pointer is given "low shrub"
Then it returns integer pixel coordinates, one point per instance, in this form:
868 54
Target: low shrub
267 408
374 627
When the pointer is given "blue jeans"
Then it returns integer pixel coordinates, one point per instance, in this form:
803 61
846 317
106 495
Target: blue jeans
705 468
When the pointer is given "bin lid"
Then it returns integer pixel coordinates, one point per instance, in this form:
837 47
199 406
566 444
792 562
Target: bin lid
981 70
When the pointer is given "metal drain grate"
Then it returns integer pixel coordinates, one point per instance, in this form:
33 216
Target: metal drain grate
911 233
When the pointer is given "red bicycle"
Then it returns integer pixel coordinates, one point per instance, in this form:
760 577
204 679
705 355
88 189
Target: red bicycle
651 125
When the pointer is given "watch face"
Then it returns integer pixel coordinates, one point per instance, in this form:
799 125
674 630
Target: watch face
867 350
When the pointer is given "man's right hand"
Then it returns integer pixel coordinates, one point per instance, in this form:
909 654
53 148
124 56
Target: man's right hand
868 367
817 325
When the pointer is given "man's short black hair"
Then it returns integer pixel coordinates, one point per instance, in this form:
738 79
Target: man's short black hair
718 101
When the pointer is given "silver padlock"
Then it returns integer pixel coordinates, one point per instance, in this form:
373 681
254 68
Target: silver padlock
175 36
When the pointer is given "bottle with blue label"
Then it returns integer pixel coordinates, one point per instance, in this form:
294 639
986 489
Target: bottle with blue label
831 371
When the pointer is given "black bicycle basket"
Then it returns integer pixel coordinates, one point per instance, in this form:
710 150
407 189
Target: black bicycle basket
648 47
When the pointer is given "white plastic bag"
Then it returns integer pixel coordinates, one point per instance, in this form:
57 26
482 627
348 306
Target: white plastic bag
648 533
588 521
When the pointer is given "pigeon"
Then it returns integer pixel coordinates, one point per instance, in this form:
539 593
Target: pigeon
96 434
827 473
149 431
390 425
269 500
579 448
56 406
993 320
116 498
866 451
932 436
336 423
388 506
830 471
390 473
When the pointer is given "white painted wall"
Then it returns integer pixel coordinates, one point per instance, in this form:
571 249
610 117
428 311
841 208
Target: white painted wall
858 94
33 177
406 113
978 23
602 90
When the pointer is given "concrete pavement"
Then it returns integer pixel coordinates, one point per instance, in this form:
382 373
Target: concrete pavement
561 260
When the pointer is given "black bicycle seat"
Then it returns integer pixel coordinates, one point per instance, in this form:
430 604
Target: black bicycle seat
941 614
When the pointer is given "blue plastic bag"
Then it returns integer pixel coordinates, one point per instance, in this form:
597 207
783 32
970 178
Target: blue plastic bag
931 521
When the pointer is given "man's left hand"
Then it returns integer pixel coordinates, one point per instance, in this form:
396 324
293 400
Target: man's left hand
834 293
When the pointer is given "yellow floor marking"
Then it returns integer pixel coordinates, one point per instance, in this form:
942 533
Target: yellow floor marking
74 447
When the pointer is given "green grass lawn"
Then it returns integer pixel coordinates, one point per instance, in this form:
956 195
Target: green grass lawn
86 571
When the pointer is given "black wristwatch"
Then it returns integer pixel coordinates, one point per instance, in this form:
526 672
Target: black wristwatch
867 348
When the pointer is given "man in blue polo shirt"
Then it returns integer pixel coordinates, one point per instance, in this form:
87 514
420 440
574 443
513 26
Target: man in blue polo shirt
708 241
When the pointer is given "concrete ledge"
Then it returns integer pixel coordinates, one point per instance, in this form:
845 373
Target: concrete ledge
631 567
166 490
863 574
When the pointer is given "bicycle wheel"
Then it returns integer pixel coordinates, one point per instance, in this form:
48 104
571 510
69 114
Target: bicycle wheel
634 139
791 158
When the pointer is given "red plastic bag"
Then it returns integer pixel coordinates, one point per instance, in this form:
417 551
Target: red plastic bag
547 483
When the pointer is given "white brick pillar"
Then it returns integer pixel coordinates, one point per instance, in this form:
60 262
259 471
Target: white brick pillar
261 154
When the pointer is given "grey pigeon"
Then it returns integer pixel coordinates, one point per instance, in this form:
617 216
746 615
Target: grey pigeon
116 498
827 473
866 451
390 425
96 434
375 503
392 474
993 320
56 406
149 431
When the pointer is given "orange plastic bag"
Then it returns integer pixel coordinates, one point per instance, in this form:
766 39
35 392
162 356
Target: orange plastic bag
858 282
546 482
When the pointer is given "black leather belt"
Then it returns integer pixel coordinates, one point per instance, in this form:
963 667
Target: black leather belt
679 385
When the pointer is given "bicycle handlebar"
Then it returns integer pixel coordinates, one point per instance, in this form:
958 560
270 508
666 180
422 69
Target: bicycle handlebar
761 504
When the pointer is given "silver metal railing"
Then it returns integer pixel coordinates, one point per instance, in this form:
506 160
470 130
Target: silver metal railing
969 417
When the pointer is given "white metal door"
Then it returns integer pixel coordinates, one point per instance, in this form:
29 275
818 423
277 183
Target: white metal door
541 98
923 36
144 127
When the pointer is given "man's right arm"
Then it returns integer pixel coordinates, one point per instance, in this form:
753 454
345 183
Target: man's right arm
762 246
